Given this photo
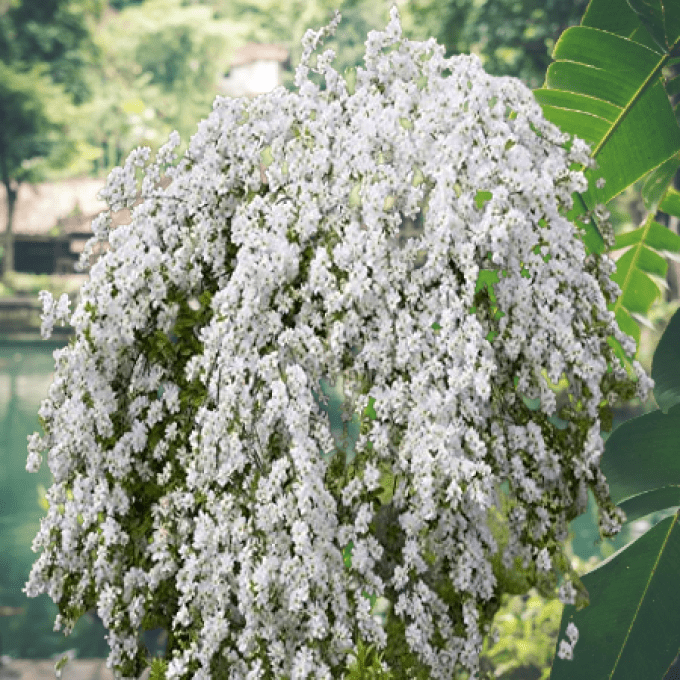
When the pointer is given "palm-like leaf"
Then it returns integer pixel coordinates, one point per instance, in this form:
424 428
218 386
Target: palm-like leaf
606 86
630 628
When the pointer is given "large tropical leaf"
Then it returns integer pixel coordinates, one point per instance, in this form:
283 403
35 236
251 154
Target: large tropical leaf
641 271
645 463
640 20
630 630
606 86
631 627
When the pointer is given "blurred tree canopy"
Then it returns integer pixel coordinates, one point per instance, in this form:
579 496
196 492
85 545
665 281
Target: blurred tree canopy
121 4
512 37
129 72
137 69
57 33
44 48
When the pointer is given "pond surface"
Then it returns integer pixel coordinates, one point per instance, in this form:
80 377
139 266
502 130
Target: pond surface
26 372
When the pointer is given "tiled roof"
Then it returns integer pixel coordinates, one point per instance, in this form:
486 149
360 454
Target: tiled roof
251 52
70 205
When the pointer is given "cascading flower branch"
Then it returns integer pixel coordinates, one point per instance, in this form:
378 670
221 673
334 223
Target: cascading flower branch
189 490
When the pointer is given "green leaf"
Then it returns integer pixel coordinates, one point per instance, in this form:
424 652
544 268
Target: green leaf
621 21
642 454
639 291
158 669
651 15
617 16
673 86
351 79
666 366
635 269
658 182
634 597
671 202
605 89
605 85
630 629
651 501
653 235
360 667
481 197
60 664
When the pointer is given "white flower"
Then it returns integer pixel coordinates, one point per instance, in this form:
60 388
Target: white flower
544 563
567 593
52 312
572 633
565 651
279 276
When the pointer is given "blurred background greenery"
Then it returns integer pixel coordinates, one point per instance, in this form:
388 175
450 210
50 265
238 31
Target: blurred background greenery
84 82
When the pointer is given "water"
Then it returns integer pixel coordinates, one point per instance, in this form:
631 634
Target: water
26 373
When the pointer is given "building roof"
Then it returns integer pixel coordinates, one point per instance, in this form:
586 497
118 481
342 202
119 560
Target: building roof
69 204
251 52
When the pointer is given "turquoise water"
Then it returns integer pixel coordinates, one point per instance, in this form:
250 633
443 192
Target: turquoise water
26 372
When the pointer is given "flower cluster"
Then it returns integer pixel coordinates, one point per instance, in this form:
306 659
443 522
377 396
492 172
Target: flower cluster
183 433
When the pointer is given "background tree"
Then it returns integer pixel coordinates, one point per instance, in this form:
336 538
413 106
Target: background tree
511 37
120 4
162 62
44 48
35 116
56 33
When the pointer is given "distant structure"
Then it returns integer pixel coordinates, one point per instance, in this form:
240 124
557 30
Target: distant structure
257 68
52 220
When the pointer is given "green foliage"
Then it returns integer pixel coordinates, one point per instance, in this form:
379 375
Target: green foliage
629 49
366 665
43 47
528 631
158 669
603 86
528 626
526 612
57 34
180 58
512 38
35 115
612 629
133 54
122 4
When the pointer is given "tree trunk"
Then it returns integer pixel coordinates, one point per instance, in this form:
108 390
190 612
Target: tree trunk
8 255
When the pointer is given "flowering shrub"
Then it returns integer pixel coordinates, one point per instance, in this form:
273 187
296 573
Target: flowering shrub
527 627
196 486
